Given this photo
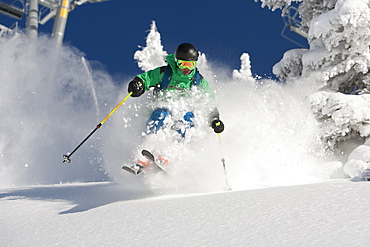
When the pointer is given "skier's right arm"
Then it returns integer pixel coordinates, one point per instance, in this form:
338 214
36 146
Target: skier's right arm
136 87
144 81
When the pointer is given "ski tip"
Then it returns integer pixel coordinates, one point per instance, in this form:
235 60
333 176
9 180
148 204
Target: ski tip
147 154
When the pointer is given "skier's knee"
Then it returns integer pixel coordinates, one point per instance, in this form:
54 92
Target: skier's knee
157 120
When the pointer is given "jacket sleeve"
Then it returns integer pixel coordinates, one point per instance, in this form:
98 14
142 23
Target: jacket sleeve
205 85
151 78
214 115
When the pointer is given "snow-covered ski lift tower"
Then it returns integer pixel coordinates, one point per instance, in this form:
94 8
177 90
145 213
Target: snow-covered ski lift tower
57 9
292 21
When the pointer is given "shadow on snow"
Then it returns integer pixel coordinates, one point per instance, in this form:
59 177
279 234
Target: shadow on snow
85 196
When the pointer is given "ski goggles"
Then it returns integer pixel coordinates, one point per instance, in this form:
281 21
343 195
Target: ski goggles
182 64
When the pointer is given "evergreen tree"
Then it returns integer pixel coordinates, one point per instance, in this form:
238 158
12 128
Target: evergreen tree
339 43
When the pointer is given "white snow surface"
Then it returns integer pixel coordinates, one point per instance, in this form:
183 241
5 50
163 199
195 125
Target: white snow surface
332 213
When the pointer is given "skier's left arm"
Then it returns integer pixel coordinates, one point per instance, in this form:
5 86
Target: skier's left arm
214 121
214 117
204 85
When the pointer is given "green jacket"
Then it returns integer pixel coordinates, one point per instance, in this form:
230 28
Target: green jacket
154 77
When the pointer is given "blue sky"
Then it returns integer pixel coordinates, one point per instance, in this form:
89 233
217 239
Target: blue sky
110 32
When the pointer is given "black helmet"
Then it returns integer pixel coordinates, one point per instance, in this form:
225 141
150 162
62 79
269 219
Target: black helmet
187 52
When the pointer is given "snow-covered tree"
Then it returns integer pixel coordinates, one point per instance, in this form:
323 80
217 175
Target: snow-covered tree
245 72
341 116
339 42
358 161
339 57
152 55
291 64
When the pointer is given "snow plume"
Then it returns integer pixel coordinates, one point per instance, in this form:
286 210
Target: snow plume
152 55
204 66
187 157
271 135
270 138
47 107
269 129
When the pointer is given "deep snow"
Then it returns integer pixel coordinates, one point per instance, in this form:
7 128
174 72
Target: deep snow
332 213
51 100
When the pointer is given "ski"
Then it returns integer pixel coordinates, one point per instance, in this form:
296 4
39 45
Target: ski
150 157
138 169
132 170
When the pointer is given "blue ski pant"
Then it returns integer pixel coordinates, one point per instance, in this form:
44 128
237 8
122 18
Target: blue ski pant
158 117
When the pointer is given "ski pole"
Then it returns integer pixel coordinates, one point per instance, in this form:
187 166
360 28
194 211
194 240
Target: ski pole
66 157
223 161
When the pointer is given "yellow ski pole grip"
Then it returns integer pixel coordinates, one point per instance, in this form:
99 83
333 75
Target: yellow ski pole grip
115 108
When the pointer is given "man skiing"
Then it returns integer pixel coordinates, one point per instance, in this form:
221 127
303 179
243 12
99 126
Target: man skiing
180 75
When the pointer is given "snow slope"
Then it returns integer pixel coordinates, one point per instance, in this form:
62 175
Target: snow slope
332 213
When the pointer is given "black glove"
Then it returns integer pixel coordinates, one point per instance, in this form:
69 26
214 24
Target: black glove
218 126
136 86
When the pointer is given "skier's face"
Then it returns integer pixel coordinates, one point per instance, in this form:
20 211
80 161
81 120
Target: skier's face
186 71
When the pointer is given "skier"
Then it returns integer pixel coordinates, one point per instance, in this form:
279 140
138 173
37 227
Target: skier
181 74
